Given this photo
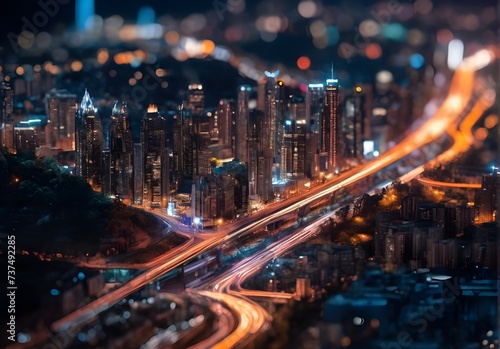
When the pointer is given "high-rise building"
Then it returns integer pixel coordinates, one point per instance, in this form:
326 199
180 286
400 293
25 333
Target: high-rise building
155 169
331 126
25 138
242 116
60 129
353 125
6 116
293 153
89 143
225 117
488 197
261 165
196 99
121 151
138 175
273 118
314 107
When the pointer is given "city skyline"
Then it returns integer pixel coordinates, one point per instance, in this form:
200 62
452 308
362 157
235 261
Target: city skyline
250 174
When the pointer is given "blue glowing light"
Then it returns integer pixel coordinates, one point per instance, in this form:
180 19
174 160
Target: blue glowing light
417 61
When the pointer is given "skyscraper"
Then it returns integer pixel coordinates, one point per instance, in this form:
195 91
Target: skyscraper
121 149
25 138
225 115
154 159
242 116
6 116
60 128
314 106
353 125
196 99
89 143
269 131
331 126
488 198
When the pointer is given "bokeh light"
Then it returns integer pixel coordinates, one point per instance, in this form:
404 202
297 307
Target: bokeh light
303 63
491 121
307 9
369 28
172 37
76 66
444 36
417 61
394 31
373 51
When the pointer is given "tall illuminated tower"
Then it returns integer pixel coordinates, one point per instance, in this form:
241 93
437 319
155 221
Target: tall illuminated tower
60 128
84 11
89 143
225 115
196 99
314 106
488 197
6 116
331 126
155 167
270 113
242 115
121 149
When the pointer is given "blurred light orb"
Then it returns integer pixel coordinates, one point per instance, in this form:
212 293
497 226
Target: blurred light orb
471 22
132 81
373 51
444 36
160 72
317 28
272 24
384 77
268 37
43 40
417 61
416 37
138 75
172 37
19 70
333 35
307 9
358 321
423 7
394 31
369 28
345 341
303 63
102 56
491 121
26 39
320 42
236 6
481 134
207 47
76 66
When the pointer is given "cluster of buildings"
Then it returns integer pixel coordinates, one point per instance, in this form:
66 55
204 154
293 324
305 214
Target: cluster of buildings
427 235
427 309
271 137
